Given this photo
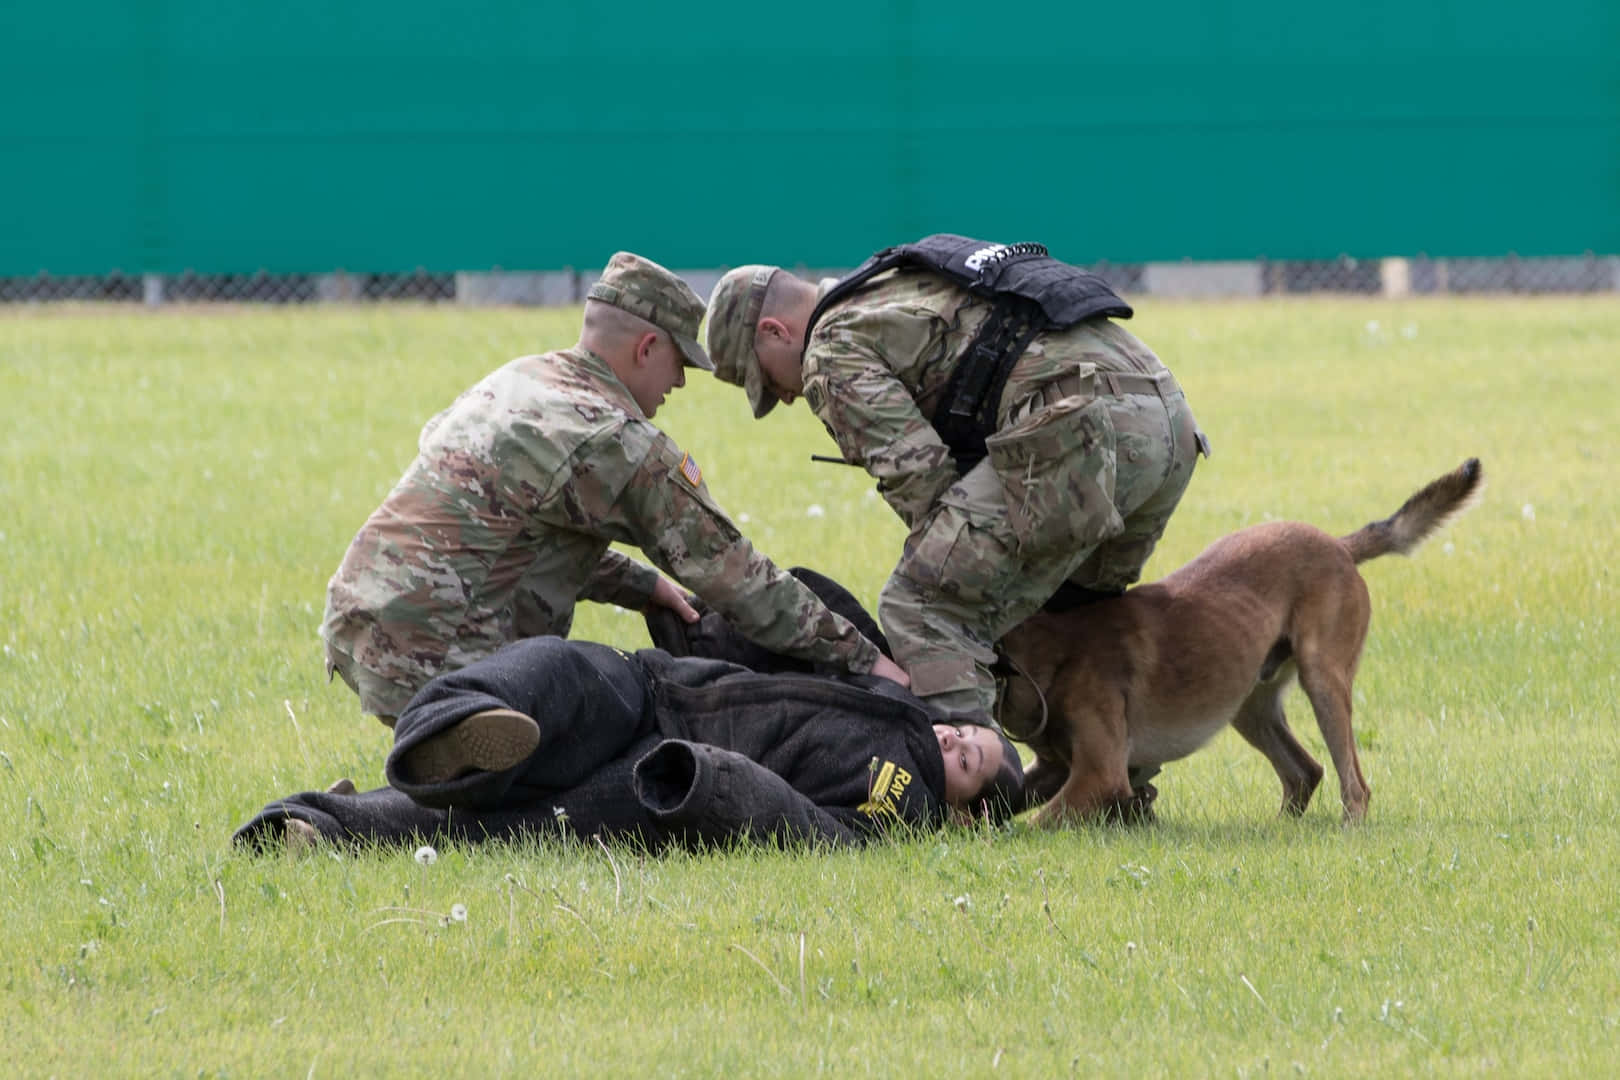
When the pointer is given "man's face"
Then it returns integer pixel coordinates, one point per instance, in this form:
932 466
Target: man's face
659 368
780 368
972 758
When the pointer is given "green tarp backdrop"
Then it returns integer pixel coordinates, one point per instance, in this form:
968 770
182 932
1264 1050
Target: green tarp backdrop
314 135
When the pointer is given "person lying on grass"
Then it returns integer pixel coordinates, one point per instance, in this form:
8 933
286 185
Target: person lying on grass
550 737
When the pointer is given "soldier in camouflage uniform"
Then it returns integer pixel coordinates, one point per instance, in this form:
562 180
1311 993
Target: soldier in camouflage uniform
1094 446
503 521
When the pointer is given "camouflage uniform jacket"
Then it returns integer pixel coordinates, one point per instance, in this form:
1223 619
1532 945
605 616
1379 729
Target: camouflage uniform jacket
504 519
877 362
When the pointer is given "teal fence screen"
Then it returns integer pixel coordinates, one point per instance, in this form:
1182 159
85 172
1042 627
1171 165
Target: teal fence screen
310 135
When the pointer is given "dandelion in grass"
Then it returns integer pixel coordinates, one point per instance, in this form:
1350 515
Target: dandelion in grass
425 857
815 510
458 912
1528 512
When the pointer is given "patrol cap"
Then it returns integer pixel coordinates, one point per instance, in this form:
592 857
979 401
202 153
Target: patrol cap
648 291
734 309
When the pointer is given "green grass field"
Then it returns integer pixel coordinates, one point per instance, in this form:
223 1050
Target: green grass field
176 487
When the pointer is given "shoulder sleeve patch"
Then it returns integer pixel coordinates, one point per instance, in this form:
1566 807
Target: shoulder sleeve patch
690 470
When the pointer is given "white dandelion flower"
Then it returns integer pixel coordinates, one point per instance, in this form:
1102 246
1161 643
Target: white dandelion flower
815 510
458 912
1528 512
426 855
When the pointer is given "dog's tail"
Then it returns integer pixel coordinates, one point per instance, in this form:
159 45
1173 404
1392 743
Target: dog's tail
1437 503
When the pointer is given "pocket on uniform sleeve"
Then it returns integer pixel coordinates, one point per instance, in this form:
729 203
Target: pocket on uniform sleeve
1056 469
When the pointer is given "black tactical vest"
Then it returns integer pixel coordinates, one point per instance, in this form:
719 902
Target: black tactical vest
1029 292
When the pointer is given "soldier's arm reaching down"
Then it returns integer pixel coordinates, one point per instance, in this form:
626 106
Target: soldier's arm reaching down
622 581
669 511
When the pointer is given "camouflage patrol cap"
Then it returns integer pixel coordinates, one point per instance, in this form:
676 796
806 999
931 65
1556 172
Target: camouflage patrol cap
734 311
648 291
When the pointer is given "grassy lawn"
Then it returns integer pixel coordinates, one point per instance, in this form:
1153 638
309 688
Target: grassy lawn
176 487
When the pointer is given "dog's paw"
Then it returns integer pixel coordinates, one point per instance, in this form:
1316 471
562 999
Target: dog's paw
1053 815
1134 809
1140 807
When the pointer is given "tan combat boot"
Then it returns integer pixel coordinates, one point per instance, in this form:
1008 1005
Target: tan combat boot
491 741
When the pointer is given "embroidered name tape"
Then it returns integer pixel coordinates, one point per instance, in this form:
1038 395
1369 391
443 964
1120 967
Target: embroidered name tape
886 784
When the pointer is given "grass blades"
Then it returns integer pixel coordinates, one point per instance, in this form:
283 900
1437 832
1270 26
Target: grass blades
176 487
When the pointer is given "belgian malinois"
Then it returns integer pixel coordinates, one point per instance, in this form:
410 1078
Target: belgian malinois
1113 689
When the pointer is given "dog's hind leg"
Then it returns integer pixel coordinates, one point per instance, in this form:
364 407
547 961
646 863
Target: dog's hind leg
1329 630
1328 687
1262 722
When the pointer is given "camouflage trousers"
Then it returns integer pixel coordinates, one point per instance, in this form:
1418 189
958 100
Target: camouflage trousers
382 698
1076 488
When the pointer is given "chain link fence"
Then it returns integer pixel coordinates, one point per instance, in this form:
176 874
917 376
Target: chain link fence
259 288
1264 277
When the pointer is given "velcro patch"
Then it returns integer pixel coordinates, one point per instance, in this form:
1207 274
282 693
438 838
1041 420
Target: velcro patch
885 786
690 470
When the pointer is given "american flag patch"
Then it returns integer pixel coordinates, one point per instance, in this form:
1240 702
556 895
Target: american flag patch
690 470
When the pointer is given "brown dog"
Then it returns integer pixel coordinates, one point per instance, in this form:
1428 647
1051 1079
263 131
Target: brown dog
1124 684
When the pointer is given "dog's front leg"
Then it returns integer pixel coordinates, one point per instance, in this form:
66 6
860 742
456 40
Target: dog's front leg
1098 787
1090 798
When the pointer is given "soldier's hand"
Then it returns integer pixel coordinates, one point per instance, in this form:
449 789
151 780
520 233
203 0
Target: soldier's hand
891 671
667 594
